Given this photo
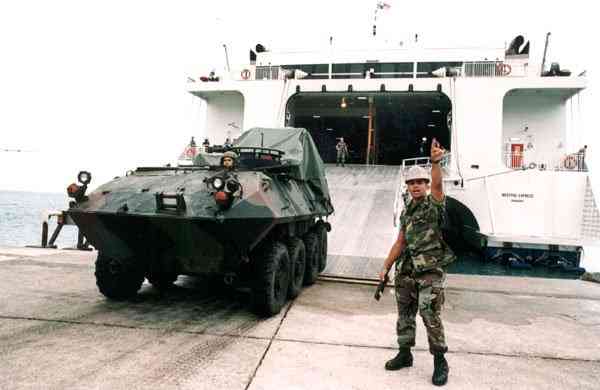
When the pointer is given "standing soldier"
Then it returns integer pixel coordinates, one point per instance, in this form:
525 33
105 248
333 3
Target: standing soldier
205 145
342 151
419 254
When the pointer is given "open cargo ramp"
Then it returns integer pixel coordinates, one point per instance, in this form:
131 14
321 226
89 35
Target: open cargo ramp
362 229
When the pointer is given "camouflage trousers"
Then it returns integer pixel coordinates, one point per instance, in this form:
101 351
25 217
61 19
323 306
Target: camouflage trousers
341 158
424 293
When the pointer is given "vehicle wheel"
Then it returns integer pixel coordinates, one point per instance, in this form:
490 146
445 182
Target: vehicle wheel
272 277
161 281
297 254
311 243
118 279
321 231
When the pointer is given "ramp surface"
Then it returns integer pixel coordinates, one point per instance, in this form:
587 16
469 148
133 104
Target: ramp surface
362 226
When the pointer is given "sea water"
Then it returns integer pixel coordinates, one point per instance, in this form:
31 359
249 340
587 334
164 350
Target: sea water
21 215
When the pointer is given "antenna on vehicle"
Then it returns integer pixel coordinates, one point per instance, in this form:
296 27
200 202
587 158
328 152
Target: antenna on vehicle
262 138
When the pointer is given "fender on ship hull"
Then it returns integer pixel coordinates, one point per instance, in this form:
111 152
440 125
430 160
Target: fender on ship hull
461 231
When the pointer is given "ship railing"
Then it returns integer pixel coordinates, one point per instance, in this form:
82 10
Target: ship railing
491 69
268 73
468 69
574 162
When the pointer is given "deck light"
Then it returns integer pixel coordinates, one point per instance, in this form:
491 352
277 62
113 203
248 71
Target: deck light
343 103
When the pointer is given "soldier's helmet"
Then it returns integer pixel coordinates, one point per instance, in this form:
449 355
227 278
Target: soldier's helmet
415 173
231 155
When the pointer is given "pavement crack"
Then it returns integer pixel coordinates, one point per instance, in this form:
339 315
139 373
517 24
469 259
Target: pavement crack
269 345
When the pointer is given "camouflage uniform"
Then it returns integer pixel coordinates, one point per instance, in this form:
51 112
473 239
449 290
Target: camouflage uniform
420 278
342 151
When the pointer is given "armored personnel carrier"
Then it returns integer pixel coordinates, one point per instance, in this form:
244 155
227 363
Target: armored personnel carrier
257 220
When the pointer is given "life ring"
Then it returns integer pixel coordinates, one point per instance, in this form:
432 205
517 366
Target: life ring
570 162
503 69
245 74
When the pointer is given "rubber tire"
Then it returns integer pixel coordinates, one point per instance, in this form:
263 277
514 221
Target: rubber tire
297 253
162 281
118 279
271 279
311 243
322 234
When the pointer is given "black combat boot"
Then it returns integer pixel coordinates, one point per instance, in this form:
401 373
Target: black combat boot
403 359
440 370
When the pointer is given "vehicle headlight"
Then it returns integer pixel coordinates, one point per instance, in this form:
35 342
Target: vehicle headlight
217 183
84 177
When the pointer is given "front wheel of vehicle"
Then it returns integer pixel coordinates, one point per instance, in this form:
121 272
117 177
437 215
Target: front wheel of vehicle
118 278
272 277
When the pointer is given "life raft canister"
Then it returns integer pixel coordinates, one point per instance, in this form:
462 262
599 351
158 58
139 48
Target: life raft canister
570 162
503 69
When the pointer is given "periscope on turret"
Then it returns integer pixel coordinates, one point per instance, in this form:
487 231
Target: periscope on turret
256 219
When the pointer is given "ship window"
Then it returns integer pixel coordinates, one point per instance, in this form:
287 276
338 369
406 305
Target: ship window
349 71
392 70
424 69
315 71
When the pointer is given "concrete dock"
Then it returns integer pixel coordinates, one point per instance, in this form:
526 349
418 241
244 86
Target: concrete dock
58 332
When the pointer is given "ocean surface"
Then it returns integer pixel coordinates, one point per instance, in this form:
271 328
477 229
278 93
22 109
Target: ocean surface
21 218
21 224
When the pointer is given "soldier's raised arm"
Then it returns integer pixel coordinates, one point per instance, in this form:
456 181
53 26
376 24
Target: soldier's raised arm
437 192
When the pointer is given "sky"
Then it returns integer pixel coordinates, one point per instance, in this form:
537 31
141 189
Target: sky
100 85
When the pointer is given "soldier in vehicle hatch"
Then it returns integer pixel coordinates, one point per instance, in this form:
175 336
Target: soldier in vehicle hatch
229 161
420 254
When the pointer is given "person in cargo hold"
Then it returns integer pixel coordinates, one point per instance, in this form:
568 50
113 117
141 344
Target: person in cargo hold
420 254
341 149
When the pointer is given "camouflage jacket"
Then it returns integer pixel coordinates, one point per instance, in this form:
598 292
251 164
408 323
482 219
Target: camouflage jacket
425 246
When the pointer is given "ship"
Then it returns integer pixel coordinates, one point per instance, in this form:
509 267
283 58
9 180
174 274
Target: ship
517 183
